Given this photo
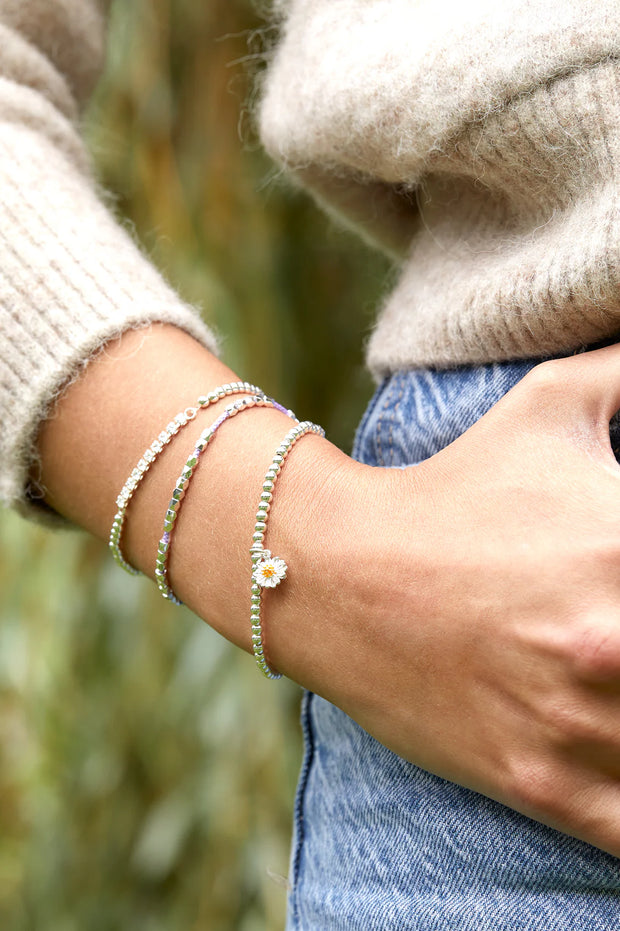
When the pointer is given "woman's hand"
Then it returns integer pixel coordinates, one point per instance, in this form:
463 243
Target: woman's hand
474 606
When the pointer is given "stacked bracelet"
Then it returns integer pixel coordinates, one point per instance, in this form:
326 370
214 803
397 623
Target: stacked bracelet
267 570
152 452
180 488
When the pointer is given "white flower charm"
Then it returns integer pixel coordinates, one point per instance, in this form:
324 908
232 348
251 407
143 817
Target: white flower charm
269 571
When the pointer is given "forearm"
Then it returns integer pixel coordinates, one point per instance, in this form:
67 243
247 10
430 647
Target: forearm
109 416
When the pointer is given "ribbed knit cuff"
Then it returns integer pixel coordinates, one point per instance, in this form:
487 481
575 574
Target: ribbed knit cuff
70 280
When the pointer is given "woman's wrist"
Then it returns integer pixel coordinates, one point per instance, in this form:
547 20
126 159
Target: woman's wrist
315 526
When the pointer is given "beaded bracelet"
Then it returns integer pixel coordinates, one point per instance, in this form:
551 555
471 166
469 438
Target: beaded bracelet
180 488
152 452
267 570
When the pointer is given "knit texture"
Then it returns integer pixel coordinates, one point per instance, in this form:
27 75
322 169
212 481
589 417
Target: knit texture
70 277
479 145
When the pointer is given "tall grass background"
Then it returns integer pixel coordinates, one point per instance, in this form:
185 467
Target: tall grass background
147 772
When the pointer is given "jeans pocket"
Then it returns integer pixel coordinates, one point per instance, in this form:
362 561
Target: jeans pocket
614 435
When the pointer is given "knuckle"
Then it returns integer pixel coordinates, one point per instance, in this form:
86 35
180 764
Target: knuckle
565 800
536 788
548 377
548 384
595 653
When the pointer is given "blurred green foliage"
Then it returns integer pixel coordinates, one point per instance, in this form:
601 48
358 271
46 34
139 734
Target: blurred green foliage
147 771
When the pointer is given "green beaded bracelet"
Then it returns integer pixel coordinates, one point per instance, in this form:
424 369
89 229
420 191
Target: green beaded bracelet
267 570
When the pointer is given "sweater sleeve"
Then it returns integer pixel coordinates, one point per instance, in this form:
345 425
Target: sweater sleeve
70 277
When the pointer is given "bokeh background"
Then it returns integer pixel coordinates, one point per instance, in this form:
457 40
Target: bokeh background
147 772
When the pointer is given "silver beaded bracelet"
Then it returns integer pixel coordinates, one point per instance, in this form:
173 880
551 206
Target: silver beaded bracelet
180 488
152 452
267 570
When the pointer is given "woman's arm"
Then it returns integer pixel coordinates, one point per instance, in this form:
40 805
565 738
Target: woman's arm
466 612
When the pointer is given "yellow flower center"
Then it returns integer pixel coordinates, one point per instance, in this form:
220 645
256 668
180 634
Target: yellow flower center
268 571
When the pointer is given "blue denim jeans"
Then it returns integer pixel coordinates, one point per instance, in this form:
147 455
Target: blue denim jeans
381 845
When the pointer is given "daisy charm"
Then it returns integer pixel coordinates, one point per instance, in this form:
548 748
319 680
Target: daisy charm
269 570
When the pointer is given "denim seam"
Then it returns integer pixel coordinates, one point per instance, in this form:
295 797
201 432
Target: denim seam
299 803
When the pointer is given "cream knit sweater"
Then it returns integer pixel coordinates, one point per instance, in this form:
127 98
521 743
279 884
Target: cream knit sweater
478 142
